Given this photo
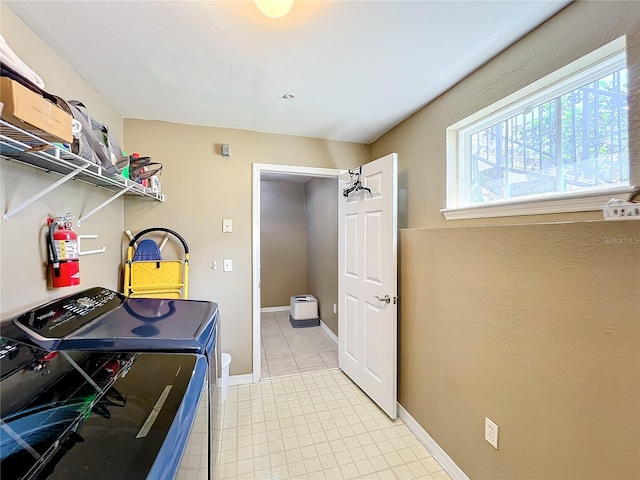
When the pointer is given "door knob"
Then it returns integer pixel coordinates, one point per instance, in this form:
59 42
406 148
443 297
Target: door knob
384 299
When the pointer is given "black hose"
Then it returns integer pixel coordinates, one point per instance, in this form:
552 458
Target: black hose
52 249
160 229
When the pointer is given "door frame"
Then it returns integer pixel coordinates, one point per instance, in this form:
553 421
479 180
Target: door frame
258 170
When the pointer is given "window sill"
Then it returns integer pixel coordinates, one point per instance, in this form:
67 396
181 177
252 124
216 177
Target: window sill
576 202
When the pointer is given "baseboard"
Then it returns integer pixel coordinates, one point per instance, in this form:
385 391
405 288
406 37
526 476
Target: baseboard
328 331
240 379
432 447
274 309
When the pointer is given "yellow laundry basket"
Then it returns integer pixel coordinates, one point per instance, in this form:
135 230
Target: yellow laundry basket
147 275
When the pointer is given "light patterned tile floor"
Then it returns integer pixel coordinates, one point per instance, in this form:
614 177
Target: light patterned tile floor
286 350
316 425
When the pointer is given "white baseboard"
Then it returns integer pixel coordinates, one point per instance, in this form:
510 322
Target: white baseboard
328 331
439 455
274 309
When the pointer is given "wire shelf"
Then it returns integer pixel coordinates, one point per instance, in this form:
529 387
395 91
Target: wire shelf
24 147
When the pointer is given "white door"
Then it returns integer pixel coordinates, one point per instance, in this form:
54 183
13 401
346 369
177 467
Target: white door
367 282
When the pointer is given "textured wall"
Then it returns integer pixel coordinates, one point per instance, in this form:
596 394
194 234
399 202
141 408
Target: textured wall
202 188
283 242
23 250
321 209
533 324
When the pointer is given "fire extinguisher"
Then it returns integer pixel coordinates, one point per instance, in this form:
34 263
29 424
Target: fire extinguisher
64 260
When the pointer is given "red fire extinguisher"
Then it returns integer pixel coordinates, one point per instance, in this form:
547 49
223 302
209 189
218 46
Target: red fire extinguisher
64 260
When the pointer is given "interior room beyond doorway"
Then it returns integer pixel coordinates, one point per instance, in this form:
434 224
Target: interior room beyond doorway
296 248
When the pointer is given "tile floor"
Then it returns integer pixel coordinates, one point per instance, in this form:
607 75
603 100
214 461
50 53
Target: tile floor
286 350
316 426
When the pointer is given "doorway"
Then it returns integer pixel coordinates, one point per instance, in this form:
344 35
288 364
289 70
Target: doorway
277 316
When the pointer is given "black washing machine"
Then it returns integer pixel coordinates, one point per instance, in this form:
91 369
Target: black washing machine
97 385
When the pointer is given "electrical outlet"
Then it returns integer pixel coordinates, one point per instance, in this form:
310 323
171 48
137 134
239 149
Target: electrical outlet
227 225
620 210
491 432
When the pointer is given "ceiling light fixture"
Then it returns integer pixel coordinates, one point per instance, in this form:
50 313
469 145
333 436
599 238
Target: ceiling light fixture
274 8
289 96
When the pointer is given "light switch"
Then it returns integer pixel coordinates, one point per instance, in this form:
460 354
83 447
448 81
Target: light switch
227 265
227 225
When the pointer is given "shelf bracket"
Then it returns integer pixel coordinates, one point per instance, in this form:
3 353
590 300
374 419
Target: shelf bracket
42 193
105 203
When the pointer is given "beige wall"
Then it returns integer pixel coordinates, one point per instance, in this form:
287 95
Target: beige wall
534 326
283 242
530 321
202 188
22 246
321 210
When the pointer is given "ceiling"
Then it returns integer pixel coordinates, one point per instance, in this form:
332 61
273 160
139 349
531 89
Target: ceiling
357 68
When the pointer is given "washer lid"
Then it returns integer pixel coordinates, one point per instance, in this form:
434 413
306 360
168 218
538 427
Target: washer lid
100 319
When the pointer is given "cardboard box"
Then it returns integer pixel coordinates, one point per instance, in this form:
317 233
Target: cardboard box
29 111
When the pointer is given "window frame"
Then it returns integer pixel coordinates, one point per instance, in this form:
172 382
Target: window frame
595 65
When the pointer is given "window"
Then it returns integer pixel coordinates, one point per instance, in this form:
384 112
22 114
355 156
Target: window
564 137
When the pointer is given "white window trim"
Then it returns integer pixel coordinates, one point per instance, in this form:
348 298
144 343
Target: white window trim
581 201
602 59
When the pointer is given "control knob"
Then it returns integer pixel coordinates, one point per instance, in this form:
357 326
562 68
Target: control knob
86 302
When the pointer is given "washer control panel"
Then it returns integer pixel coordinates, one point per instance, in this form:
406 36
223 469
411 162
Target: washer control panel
63 316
